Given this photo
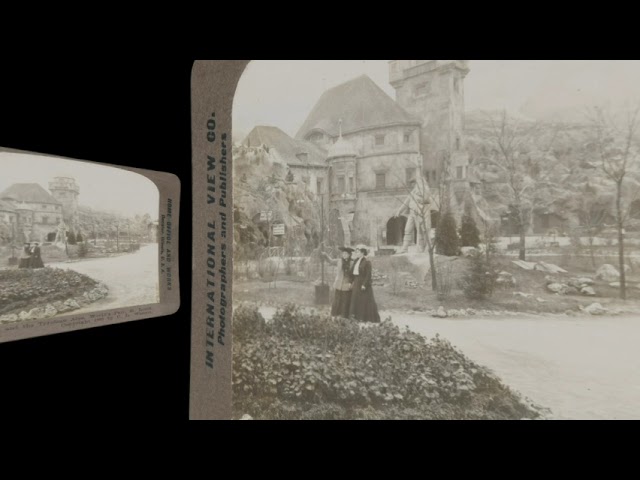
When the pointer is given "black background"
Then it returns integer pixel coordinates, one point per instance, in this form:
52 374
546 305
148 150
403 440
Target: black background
133 112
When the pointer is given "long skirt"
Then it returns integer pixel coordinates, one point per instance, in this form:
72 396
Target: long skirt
36 262
24 262
363 304
341 303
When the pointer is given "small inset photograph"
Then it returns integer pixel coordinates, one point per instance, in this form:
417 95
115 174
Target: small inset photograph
436 239
75 237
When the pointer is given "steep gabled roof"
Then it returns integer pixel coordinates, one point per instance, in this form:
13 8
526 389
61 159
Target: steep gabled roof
28 192
288 148
360 103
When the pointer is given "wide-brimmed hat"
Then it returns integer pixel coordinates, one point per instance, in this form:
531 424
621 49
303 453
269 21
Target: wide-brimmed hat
346 249
363 249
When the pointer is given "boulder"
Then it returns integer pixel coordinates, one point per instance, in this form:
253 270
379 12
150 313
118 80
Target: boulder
72 304
11 317
595 309
540 300
36 313
549 267
471 311
588 291
468 251
440 313
24 315
614 284
50 311
505 279
634 262
608 273
585 281
246 416
571 291
557 288
550 279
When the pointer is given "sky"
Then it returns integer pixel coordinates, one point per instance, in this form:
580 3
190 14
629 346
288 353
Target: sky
103 188
283 92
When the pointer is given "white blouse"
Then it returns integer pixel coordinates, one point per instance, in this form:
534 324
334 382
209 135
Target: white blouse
356 268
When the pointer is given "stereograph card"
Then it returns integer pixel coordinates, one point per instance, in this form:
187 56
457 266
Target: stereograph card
415 239
84 244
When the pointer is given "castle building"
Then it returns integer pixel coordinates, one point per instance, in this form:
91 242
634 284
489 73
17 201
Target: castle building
29 213
373 148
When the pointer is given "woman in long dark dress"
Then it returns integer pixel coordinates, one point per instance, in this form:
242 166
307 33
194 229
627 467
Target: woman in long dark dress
363 304
36 258
342 284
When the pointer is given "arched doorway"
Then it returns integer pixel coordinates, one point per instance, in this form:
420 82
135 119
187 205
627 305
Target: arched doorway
395 231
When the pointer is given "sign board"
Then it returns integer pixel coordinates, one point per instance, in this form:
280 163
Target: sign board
278 229
266 215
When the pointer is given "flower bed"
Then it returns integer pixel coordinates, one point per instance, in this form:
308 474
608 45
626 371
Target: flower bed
307 366
40 293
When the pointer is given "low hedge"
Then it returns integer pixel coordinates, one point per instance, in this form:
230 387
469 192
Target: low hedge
309 366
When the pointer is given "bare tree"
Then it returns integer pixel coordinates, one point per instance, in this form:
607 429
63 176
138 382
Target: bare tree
523 167
421 200
593 209
614 144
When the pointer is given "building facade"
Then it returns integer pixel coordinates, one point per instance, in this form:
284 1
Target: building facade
30 213
369 149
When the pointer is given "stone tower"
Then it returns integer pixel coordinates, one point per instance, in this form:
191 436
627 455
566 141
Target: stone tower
433 91
66 191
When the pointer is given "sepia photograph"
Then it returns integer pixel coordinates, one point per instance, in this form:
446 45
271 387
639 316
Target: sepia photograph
75 237
412 239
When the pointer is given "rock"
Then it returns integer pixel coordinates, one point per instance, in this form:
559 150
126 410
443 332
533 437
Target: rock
571 291
627 269
614 284
550 279
36 313
468 251
524 265
540 300
608 273
471 311
571 313
11 317
440 313
585 281
634 262
557 287
246 416
549 267
24 315
505 279
595 309
523 295
588 291
72 304
50 311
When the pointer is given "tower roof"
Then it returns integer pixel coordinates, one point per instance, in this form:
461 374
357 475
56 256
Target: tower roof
28 192
289 148
360 103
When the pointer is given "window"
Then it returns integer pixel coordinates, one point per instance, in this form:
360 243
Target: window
459 172
380 181
410 175
456 85
341 184
379 139
316 137
457 143
351 186
319 185
407 138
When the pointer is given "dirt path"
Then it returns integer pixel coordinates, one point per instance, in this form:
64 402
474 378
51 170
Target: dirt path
132 278
580 368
